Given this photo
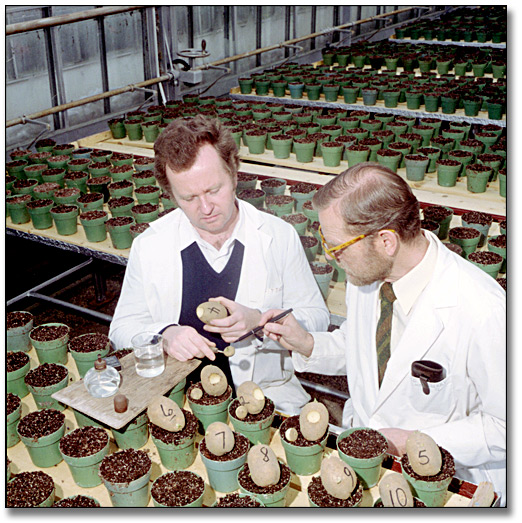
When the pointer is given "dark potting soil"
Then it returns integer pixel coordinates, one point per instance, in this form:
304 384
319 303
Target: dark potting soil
46 187
94 341
417 503
12 403
177 489
122 156
16 360
121 184
17 319
437 213
461 154
241 446
321 269
447 470
206 399
477 167
190 428
364 443
388 152
120 201
502 171
64 208
90 198
145 208
78 501
368 141
250 193
500 241
121 168
21 198
41 423
100 165
93 215
358 148
147 173
237 501
52 172
304 139
426 150
308 205
481 218
449 162
66 193
278 199
272 182
294 218
503 283
63 147
138 228
331 127
429 225
142 160
440 140
79 161
161 214
46 374
335 144
301 441
24 184
12 179
471 143
76 175
40 156
19 152
15 163
49 332
308 241
125 466
29 489
147 189
245 481
463 233
303 187
256 132
325 136
314 226
84 441
267 411
485 257
118 221
121 353
295 132
245 177
485 135
360 113
320 496
457 249
400 146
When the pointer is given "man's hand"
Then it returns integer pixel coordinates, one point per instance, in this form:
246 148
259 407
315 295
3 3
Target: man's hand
241 320
396 440
288 332
185 343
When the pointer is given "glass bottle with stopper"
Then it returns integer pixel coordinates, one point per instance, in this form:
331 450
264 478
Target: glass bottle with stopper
102 381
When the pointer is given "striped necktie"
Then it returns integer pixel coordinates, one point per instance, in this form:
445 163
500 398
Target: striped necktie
383 334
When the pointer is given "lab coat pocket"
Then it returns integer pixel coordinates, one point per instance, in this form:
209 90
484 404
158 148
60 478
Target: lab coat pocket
439 401
273 298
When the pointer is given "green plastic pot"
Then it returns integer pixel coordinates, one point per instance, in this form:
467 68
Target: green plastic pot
262 87
82 420
323 280
304 152
431 102
311 214
117 128
120 235
85 360
16 168
498 250
369 96
66 222
482 228
391 98
177 456
43 395
85 469
313 91
447 174
81 166
301 198
207 414
357 155
303 461
296 90
222 475
150 197
368 470
350 94
495 110
116 191
44 451
431 493
150 131
468 245
413 100
502 184
11 421
477 181
197 503
256 201
249 183
256 143
82 152
280 210
299 227
339 274
177 393
331 155
391 161
56 177
272 499
18 337
134 435
15 382
122 210
135 493
331 92
17 207
460 68
96 205
52 351
479 69
274 190
415 168
279 88
492 268
134 129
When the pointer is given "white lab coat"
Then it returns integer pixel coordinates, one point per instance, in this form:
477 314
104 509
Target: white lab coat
275 274
458 322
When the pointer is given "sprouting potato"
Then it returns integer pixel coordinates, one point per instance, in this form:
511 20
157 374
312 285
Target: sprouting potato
313 420
196 393
211 310
251 396
219 438
423 454
229 351
395 491
165 413
291 434
241 412
263 465
213 380
338 478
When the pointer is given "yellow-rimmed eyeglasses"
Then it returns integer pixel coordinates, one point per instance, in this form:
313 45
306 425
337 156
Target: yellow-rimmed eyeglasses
334 252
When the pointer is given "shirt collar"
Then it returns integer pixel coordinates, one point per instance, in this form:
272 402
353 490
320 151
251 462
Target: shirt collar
408 288
188 234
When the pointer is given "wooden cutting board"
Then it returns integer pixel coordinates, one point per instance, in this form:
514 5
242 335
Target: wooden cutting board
139 391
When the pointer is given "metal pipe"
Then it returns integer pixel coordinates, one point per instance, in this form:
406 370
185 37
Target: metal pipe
33 25
324 389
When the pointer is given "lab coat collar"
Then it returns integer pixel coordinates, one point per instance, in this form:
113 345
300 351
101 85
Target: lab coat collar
426 325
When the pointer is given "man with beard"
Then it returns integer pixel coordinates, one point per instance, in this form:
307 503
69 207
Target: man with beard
424 341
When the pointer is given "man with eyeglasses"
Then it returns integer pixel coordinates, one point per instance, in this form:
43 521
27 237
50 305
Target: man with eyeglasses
424 341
